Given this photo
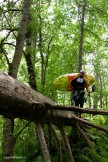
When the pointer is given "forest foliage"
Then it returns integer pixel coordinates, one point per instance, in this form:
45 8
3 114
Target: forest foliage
53 42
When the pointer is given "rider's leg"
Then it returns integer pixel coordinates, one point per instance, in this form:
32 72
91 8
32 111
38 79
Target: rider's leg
75 97
82 100
81 103
76 103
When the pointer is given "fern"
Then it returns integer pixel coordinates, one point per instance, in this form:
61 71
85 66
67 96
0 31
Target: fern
85 159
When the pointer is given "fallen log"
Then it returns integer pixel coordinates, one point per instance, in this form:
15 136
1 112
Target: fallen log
18 100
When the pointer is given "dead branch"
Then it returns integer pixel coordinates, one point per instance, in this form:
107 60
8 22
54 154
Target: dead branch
84 137
43 142
78 109
71 119
66 145
59 143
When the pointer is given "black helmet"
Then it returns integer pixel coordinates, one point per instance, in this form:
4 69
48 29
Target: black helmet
82 72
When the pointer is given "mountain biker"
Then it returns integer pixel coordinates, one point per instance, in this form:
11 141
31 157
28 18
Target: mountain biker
79 83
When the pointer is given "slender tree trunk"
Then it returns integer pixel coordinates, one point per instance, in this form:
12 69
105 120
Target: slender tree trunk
106 100
29 62
43 142
44 59
95 98
101 94
41 54
8 139
87 141
66 145
59 143
83 5
20 40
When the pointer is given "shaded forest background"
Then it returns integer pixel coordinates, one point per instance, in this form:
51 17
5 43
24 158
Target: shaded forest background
56 37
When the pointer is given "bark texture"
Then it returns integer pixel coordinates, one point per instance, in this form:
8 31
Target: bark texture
81 35
13 71
20 101
43 143
8 139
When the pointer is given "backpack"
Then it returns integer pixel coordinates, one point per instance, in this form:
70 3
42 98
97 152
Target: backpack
78 82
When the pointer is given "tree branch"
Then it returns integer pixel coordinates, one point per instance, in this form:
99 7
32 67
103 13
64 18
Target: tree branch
78 109
84 137
66 145
43 142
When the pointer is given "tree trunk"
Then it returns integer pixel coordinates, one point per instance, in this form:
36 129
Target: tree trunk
8 139
83 5
29 62
101 93
41 55
13 71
